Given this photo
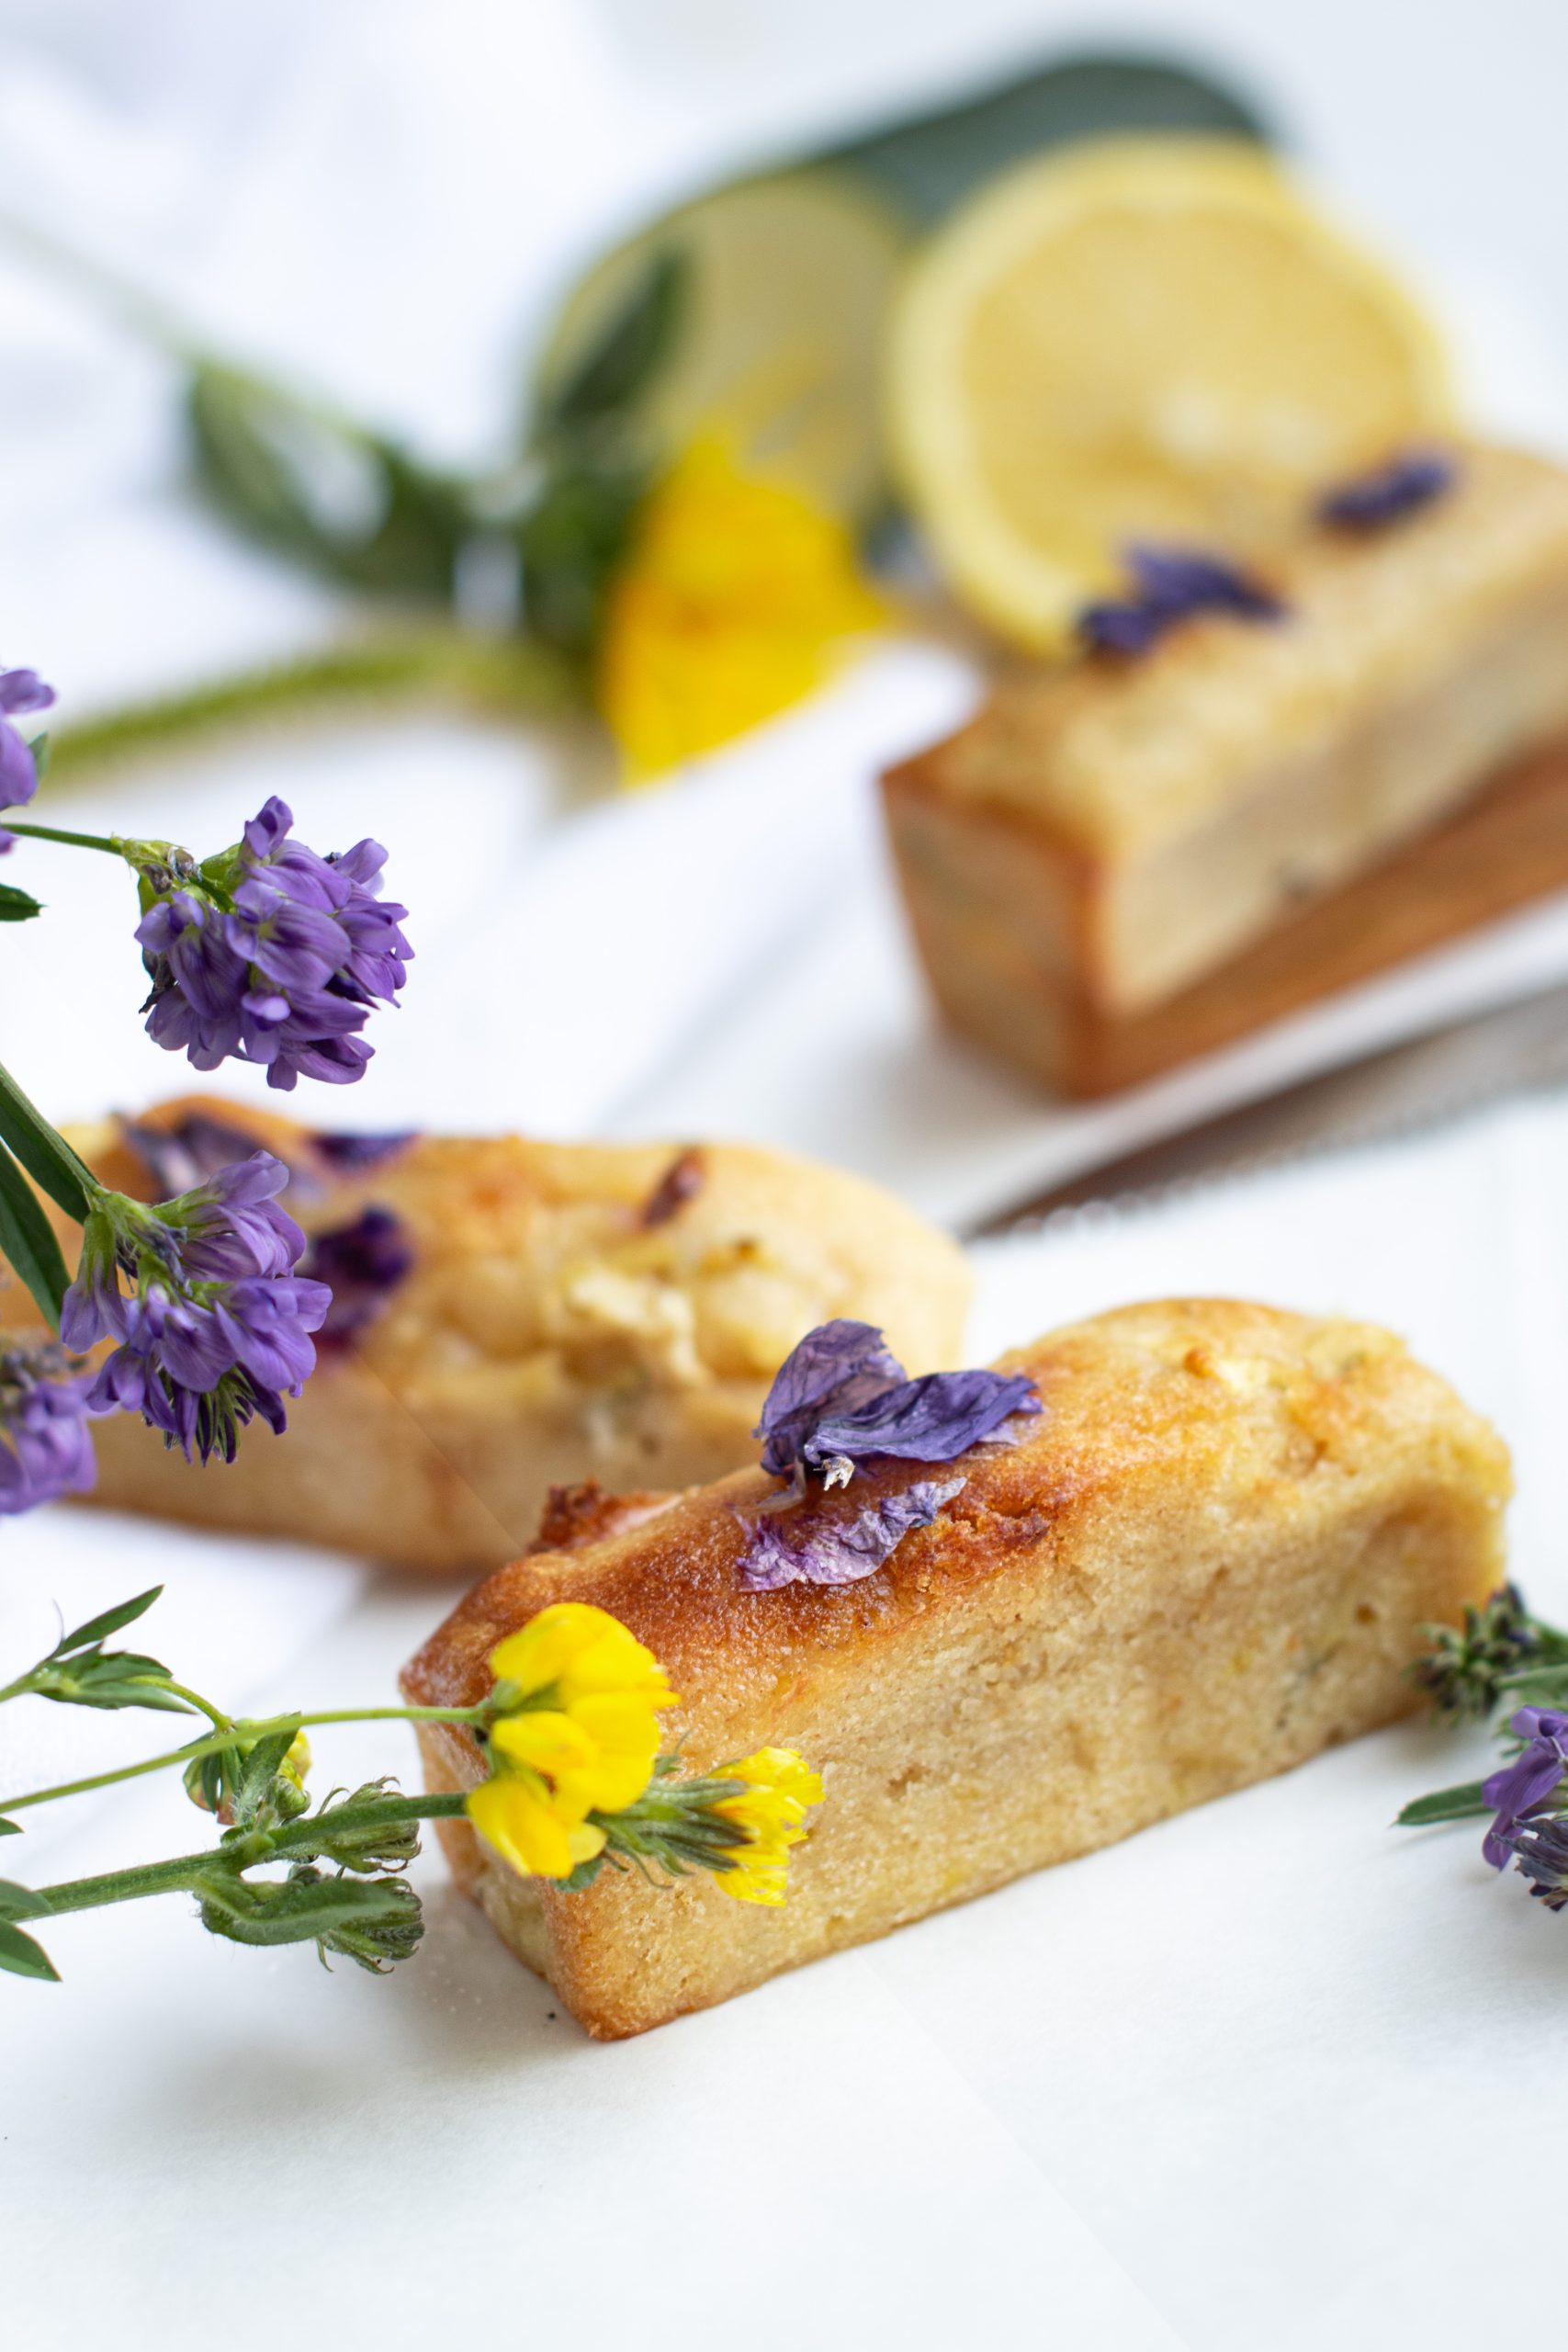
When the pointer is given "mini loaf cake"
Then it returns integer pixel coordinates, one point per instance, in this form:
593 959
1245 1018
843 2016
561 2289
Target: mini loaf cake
509 1316
1204 1560
1101 845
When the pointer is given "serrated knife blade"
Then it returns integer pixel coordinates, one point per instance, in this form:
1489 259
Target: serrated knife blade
1515 1049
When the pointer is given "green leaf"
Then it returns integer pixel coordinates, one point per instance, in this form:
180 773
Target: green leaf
571 541
48 1157
98 1629
374 1922
1461 1803
620 365
18 906
28 1242
10 1828
322 487
259 1770
21 1902
20 1956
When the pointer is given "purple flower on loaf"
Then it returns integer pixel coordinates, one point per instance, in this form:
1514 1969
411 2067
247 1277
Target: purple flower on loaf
841 1401
1389 492
1172 585
818 1546
361 1265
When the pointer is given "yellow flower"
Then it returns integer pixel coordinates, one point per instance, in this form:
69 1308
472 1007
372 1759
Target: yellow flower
579 1734
735 597
780 1786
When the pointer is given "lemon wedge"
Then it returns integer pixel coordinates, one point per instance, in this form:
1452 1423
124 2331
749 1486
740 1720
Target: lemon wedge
788 282
1148 338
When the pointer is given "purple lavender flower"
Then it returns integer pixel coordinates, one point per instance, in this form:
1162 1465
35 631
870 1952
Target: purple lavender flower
1521 1787
45 1450
217 1327
272 954
1540 1848
20 691
1389 492
361 1265
821 1544
840 1397
1171 585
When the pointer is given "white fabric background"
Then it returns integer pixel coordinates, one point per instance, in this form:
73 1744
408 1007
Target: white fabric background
1248 2079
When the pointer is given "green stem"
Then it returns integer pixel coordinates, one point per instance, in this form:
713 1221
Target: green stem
509 678
249 1733
185 1869
109 842
215 1715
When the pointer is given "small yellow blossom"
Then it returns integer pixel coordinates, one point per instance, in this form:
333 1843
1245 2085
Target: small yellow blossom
732 603
780 1786
579 1734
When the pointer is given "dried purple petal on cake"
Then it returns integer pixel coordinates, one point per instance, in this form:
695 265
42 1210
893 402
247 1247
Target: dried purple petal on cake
824 1543
362 1264
1389 492
1171 585
350 1154
934 1418
841 1397
840 1365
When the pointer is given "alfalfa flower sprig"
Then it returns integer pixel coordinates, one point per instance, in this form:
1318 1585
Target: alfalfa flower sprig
266 952
574 1778
1505 1656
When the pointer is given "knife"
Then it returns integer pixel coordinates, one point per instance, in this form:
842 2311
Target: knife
1517 1049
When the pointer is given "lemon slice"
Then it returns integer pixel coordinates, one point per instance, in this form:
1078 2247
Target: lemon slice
788 285
1153 338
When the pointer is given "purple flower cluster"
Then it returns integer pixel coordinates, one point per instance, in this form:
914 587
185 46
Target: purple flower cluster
1520 1789
361 1265
840 1400
45 1450
1172 585
272 954
20 691
1390 492
217 1327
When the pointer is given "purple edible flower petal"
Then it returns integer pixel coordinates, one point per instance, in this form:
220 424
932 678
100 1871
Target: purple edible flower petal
934 1418
835 1367
352 1153
361 1265
823 1543
841 1397
1171 585
286 977
45 1449
1519 1789
1389 492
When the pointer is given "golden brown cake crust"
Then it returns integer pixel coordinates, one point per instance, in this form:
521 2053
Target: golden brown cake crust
1225 1527
603 1311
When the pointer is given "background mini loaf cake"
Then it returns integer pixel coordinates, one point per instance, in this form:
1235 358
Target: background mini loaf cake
509 1316
1126 860
1207 1559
